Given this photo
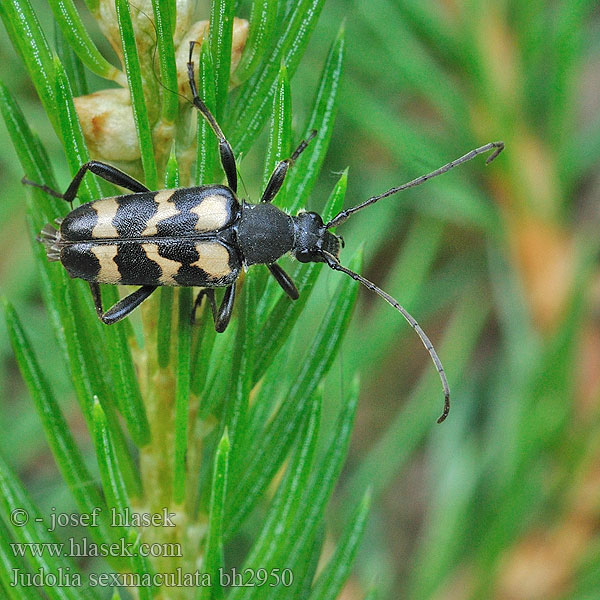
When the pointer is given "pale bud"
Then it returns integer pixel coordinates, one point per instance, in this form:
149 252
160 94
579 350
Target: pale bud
142 18
107 117
196 33
107 121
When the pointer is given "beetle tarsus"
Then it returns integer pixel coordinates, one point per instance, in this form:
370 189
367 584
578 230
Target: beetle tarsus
222 315
44 188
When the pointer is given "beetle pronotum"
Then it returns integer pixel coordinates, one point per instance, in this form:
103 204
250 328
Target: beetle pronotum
203 236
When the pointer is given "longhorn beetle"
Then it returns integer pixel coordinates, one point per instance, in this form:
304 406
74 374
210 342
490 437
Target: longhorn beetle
203 236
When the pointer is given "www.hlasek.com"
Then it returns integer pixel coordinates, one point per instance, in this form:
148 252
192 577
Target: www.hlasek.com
66 578
86 548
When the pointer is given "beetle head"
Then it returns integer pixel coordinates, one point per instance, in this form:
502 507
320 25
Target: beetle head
312 239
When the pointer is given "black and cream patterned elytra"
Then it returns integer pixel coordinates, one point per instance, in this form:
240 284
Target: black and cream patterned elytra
180 237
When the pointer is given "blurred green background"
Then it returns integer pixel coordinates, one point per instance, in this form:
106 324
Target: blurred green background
498 264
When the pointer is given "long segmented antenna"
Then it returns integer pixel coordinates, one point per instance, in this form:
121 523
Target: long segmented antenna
497 146
336 266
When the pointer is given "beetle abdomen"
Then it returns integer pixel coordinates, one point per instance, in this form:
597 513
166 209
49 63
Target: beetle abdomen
173 262
185 212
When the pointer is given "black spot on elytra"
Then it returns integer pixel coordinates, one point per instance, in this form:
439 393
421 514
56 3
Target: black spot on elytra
135 266
177 226
79 223
133 214
79 261
183 251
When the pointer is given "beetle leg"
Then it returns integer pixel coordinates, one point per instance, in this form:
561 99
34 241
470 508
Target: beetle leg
123 307
222 316
97 297
210 294
226 309
107 172
225 150
278 176
284 280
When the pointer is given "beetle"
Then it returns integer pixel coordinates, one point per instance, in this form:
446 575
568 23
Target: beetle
203 236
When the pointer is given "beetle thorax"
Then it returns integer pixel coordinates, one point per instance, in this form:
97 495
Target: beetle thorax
264 232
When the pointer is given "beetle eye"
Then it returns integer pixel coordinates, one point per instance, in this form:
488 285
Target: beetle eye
306 256
331 244
303 257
